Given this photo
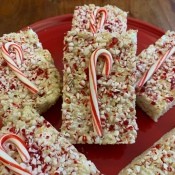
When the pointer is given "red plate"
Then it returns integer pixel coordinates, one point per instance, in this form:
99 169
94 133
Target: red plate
109 159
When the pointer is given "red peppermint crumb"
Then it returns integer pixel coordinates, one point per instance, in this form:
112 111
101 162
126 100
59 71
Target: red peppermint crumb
158 146
75 66
130 128
169 169
12 87
169 99
13 129
84 21
31 133
126 122
131 109
112 128
169 155
56 173
67 101
163 76
34 147
159 52
108 28
84 139
87 73
106 115
44 168
4 64
110 94
41 158
33 166
142 89
75 161
48 125
40 71
99 76
113 42
23 131
83 92
153 103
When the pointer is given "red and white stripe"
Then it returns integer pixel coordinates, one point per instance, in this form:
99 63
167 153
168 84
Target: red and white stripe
9 161
95 25
93 84
15 67
147 75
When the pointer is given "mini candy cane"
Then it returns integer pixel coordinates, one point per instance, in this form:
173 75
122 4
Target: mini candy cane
147 75
13 65
93 84
94 26
9 161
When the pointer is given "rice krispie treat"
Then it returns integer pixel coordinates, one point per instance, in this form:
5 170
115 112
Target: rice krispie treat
28 75
95 19
158 159
31 146
156 78
99 108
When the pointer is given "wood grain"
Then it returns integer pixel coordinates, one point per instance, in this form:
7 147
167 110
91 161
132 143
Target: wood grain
16 14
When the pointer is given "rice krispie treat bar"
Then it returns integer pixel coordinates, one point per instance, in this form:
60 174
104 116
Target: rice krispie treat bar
156 78
95 19
158 159
99 108
34 147
27 73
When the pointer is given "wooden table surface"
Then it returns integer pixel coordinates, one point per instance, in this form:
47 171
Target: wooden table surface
16 14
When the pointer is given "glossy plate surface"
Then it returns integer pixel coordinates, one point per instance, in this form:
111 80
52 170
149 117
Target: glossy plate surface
109 159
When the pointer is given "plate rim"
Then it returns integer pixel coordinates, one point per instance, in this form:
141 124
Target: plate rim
65 18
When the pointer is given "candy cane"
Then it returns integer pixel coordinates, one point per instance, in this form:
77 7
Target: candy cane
147 75
20 145
93 84
92 23
17 50
13 65
93 18
9 161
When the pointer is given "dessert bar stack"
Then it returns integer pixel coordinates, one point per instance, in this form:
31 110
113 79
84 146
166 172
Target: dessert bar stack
101 78
158 159
98 83
46 151
30 84
108 18
156 78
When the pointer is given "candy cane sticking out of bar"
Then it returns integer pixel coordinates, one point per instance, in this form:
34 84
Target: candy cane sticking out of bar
94 26
147 75
11 63
18 142
93 84
9 161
